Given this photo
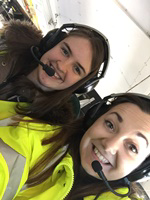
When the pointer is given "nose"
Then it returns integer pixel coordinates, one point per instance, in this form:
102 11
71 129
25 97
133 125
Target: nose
113 144
65 64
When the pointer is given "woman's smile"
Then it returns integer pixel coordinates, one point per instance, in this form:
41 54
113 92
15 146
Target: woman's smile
97 155
101 158
44 78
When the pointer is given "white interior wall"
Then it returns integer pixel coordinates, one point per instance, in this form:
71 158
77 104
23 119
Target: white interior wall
44 14
140 14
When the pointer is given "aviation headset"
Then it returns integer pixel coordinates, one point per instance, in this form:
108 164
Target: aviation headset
53 37
143 171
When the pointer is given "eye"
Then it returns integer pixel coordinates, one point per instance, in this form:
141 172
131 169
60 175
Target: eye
65 52
109 125
133 148
77 69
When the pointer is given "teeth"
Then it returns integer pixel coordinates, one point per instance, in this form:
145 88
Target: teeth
101 158
56 75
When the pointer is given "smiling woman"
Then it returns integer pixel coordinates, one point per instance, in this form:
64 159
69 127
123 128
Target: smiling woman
77 56
118 140
71 59
102 157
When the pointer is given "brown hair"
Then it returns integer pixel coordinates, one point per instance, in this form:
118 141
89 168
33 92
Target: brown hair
18 39
73 138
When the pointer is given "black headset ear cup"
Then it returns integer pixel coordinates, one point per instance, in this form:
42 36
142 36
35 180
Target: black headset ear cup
143 171
51 39
88 86
44 40
92 115
95 112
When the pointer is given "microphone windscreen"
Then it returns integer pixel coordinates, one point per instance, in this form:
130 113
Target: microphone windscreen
50 71
96 166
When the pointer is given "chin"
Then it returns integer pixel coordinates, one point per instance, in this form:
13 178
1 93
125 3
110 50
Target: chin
88 169
45 89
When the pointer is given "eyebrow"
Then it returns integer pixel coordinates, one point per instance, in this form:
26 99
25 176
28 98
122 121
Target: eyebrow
142 136
118 116
138 134
70 51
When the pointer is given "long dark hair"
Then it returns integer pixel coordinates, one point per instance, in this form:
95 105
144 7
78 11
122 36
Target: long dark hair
18 39
72 138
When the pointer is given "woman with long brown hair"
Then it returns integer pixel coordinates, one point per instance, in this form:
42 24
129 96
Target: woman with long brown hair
74 53
98 157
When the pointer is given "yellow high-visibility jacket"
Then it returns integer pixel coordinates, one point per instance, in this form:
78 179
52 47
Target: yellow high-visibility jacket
20 147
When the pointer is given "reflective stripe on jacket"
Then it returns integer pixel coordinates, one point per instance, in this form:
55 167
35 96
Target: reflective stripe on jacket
15 163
